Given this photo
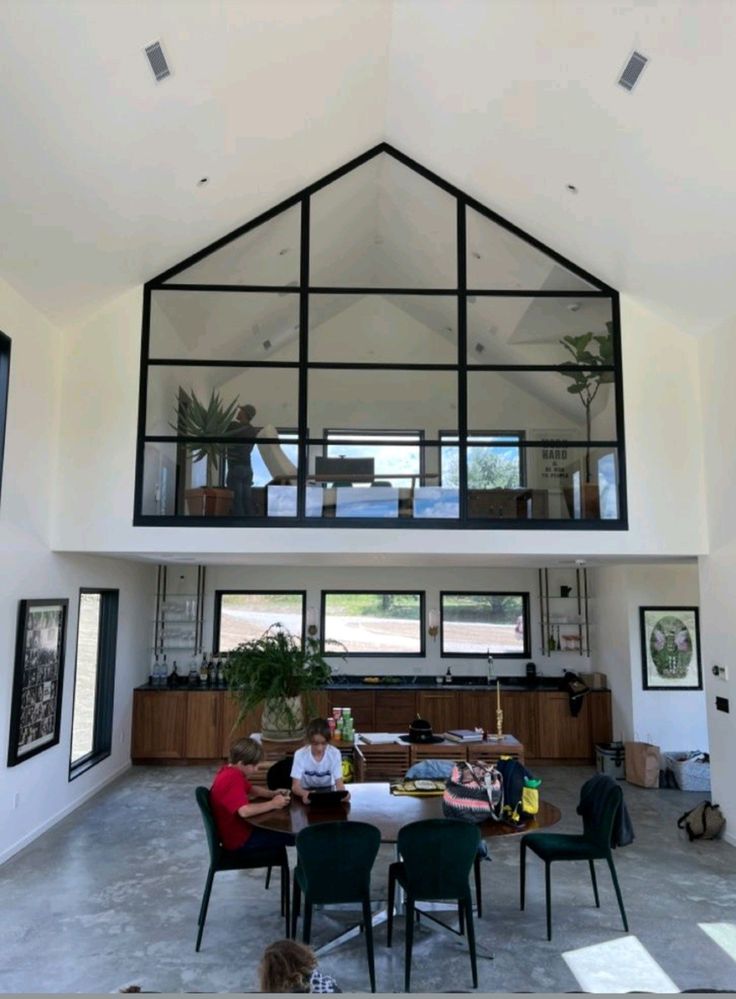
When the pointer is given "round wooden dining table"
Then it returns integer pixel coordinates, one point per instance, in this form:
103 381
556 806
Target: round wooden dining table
374 803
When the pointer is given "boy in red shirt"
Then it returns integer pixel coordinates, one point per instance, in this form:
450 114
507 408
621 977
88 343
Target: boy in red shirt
231 797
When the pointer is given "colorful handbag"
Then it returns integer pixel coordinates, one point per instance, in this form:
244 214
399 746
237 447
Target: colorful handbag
474 793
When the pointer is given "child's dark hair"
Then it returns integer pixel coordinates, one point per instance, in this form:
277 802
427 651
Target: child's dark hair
318 726
286 966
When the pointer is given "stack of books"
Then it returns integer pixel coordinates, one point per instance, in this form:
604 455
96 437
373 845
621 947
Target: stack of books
464 735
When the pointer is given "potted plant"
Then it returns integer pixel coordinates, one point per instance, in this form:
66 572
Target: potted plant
215 419
591 350
278 672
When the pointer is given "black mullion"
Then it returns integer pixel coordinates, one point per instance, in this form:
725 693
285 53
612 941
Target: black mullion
462 361
378 366
623 506
190 362
142 402
303 450
5 344
561 368
277 289
539 293
376 290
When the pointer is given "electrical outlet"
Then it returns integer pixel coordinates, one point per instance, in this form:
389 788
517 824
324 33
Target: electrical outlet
720 672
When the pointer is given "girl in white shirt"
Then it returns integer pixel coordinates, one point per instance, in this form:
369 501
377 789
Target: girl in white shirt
318 765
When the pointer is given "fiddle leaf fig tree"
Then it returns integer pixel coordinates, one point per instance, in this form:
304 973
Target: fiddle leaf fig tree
197 419
590 350
276 670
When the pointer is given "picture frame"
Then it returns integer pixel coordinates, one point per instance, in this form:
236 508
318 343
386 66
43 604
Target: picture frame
35 713
670 648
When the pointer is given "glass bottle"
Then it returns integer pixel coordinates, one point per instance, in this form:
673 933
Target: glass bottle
203 670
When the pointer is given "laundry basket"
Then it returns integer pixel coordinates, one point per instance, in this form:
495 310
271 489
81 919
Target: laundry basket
691 770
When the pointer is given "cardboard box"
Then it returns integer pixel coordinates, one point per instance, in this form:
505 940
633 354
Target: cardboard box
596 681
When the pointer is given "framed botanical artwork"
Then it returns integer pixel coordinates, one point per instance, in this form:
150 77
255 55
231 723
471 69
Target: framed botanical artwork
35 713
670 648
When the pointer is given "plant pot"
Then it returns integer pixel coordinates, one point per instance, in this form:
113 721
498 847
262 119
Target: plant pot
209 501
589 499
283 720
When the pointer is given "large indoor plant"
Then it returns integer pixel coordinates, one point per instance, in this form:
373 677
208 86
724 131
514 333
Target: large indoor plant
591 350
278 672
213 419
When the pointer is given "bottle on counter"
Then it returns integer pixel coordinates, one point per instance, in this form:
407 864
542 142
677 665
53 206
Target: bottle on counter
203 671
153 672
193 674
448 675
221 682
211 673
174 679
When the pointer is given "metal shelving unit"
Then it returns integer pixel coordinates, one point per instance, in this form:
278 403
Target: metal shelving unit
564 617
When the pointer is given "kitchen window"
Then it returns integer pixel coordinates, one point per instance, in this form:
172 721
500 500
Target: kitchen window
483 624
370 623
244 615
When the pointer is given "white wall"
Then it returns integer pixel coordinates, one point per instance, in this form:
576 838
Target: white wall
29 570
662 392
670 719
718 569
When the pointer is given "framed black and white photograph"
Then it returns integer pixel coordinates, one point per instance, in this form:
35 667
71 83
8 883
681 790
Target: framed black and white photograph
35 714
670 648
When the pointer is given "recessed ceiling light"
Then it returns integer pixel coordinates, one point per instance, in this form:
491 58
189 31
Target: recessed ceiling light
477 255
574 306
282 253
572 189
448 329
203 181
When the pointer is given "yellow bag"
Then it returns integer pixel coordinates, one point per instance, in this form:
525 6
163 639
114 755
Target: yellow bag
347 770
530 796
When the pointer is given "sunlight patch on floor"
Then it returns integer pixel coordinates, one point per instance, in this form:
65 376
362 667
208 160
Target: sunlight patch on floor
724 934
622 965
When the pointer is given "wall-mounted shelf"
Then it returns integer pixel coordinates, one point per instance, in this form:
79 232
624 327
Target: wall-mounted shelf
564 613
178 620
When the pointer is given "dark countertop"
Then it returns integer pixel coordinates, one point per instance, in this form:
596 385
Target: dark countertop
426 684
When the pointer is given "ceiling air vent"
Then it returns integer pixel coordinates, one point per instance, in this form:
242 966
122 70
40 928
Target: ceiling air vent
632 70
157 59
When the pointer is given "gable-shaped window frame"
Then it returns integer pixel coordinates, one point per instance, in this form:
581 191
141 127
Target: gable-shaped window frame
464 295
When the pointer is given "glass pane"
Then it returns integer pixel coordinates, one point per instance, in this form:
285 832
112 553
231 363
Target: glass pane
224 326
181 480
532 330
576 405
383 329
499 259
85 678
245 616
494 462
268 254
382 400
479 624
562 482
374 623
383 226
273 392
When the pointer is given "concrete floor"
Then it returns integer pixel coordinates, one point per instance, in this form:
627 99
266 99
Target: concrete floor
110 896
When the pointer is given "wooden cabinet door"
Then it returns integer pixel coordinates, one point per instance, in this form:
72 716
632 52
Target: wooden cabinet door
361 704
317 706
229 713
520 719
478 710
395 710
203 737
159 722
601 724
441 710
560 735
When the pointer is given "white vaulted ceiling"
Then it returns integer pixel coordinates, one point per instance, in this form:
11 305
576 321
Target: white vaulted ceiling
511 101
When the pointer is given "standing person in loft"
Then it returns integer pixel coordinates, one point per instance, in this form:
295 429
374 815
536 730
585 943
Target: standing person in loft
239 468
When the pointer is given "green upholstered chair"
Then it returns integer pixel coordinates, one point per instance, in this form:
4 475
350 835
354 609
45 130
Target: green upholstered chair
226 860
334 862
593 844
436 859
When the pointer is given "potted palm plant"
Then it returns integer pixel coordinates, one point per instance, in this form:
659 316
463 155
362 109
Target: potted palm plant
213 419
280 673
592 350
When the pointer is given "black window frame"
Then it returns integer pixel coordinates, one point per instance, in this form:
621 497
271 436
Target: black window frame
4 394
526 608
323 639
593 287
216 650
102 730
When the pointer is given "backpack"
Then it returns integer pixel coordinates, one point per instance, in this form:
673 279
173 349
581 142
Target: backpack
705 821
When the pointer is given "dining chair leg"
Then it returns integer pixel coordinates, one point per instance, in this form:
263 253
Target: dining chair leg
595 884
409 942
478 903
522 876
390 914
268 879
618 893
461 917
548 896
471 939
295 906
285 905
368 927
204 905
307 921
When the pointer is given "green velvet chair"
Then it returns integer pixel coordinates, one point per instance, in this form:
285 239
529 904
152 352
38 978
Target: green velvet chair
437 856
334 863
594 844
226 860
